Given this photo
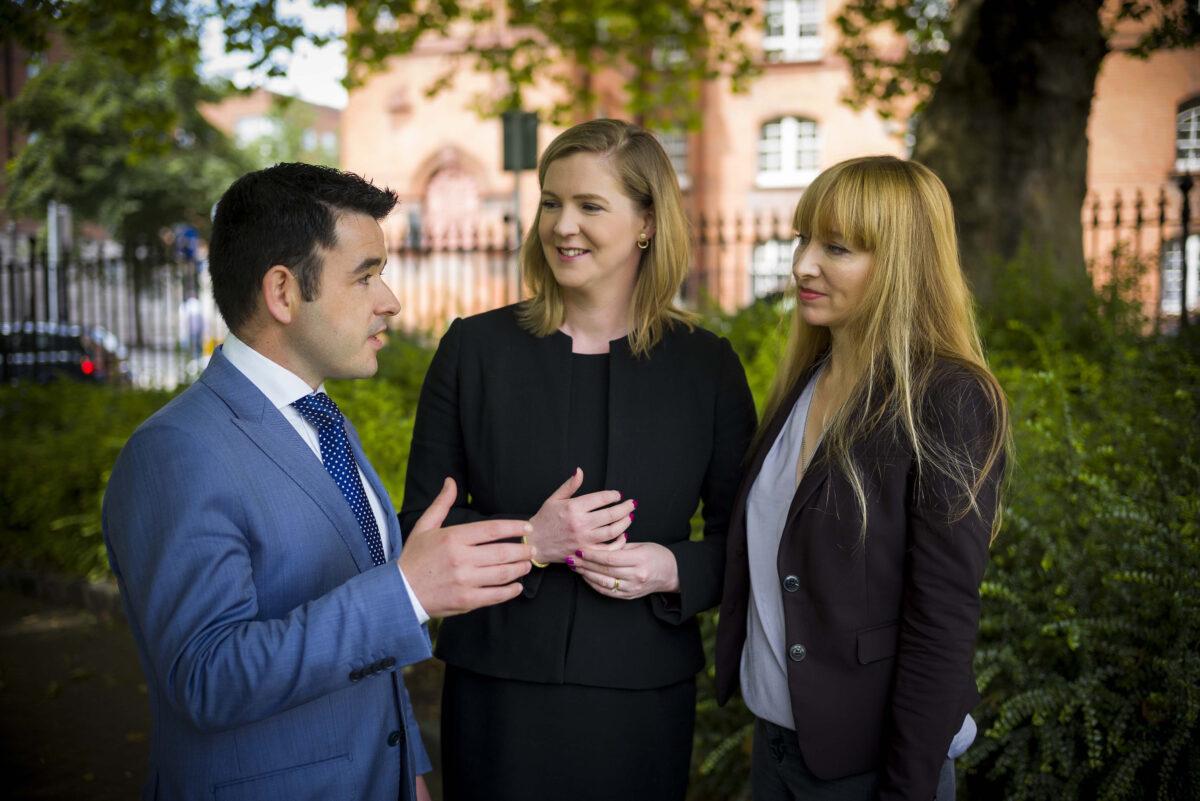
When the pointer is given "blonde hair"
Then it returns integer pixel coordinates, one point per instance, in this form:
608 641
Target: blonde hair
916 310
648 179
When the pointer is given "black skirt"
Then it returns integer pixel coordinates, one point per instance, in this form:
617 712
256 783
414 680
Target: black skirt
505 740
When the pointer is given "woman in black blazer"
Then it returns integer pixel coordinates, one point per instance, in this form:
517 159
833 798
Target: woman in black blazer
860 534
600 413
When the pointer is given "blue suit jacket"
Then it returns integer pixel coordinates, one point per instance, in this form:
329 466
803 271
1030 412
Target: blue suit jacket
271 644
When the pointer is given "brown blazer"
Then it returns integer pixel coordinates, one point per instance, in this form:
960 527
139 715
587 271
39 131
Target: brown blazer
880 635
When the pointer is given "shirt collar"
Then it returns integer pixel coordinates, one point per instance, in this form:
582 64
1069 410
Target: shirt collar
279 384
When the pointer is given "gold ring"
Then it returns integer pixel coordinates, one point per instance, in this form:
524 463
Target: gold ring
616 585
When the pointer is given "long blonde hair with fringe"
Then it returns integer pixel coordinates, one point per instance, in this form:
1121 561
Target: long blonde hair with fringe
916 310
646 175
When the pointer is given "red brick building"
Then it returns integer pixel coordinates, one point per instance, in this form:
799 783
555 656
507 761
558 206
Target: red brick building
755 152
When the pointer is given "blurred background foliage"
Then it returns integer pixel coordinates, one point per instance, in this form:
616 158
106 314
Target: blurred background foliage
1089 652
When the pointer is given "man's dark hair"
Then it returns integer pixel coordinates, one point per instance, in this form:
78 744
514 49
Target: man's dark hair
281 215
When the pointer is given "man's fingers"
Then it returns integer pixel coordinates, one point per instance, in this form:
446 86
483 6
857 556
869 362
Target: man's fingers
568 487
499 575
489 596
437 511
501 553
489 530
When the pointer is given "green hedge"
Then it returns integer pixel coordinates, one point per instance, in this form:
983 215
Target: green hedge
60 442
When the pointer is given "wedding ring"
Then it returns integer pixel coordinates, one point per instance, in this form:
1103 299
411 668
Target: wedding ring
616 585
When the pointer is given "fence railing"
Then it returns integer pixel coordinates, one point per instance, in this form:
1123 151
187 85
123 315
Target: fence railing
146 323
155 316
1147 226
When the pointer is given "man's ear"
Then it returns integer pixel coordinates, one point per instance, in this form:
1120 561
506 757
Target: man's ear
280 293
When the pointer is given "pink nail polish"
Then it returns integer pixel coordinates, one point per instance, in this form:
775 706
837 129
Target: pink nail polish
579 554
631 515
570 562
635 504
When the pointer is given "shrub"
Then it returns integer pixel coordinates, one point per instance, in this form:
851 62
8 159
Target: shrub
60 443
1089 656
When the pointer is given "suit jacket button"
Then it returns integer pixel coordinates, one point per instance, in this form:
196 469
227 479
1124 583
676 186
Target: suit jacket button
355 675
791 583
797 653
394 739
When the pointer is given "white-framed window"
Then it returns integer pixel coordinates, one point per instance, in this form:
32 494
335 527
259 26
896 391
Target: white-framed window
771 266
1187 137
675 144
792 30
251 129
789 152
1172 276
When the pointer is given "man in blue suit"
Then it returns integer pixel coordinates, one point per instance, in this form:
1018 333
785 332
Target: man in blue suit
258 554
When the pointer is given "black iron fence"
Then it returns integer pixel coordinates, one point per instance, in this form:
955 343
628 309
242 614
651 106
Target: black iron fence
98 316
149 320
1159 230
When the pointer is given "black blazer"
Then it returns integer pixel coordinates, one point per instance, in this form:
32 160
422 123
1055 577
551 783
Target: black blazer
880 636
493 415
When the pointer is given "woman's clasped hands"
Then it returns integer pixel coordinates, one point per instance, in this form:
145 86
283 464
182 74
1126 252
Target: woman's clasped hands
588 534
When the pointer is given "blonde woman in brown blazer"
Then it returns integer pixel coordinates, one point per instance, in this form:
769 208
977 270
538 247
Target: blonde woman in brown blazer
860 534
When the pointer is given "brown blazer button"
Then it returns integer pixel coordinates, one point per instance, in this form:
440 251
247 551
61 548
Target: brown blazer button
797 653
791 583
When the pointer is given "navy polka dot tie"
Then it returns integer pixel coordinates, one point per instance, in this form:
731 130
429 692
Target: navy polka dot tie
320 410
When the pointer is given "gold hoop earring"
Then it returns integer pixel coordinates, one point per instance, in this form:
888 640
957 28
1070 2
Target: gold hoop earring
643 241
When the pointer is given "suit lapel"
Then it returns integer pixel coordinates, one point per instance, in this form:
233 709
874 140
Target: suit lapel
738 520
385 502
270 431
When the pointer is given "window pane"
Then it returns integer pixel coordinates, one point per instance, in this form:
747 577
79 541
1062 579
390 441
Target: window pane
675 145
771 266
770 148
774 17
808 150
793 29
1187 139
808 19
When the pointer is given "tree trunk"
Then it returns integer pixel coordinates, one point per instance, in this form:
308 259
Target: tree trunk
1006 129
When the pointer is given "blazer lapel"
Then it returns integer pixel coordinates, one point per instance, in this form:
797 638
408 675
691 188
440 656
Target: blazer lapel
738 520
385 502
810 482
268 429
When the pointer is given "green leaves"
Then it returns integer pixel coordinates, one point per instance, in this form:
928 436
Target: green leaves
129 150
1087 654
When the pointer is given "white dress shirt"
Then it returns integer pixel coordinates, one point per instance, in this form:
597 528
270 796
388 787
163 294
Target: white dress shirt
282 387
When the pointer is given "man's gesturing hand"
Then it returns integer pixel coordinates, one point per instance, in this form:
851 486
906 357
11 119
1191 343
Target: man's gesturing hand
460 568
